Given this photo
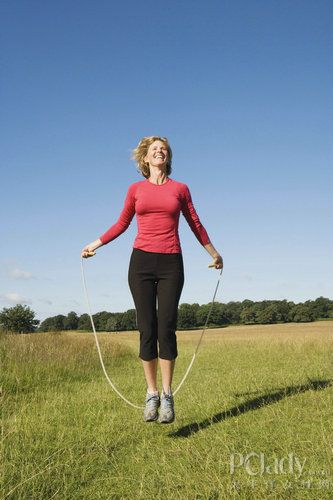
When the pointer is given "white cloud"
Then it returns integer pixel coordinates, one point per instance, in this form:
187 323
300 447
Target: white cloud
19 274
15 298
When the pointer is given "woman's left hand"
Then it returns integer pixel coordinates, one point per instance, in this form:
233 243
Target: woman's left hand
218 262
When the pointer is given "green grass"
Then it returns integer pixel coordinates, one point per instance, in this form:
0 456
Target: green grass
257 389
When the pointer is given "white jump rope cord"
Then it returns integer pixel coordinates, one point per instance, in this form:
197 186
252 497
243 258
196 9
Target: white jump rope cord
99 349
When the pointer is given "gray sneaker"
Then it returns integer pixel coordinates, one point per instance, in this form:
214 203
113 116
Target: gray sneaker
167 413
150 413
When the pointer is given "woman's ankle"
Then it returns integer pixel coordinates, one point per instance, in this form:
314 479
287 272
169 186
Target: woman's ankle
152 391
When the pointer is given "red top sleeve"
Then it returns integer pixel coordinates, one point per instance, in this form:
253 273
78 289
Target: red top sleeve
124 220
192 218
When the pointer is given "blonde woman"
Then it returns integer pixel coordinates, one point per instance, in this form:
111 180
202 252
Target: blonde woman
156 271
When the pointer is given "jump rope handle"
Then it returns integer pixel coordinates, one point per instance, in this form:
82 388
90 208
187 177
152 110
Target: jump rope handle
213 265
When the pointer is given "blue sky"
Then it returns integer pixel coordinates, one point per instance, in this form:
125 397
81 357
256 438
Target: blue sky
243 91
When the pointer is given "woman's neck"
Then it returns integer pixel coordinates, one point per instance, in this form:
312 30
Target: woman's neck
157 176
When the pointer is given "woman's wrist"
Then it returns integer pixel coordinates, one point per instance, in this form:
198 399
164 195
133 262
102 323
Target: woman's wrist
95 244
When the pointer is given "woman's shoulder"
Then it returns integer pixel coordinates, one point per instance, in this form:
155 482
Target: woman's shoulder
134 185
179 184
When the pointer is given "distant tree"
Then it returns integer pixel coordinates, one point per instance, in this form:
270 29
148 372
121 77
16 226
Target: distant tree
59 322
267 315
100 320
18 319
283 310
218 316
53 324
201 314
217 312
321 307
248 315
186 316
113 324
233 311
247 303
71 321
84 322
301 313
128 320
195 308
47 325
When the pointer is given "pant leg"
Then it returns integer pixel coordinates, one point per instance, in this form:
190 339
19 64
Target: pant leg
142 283
169 287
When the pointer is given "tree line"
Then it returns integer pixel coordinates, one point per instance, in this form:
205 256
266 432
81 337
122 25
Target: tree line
22 319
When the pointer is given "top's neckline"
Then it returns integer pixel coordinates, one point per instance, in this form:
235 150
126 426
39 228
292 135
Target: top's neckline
159 185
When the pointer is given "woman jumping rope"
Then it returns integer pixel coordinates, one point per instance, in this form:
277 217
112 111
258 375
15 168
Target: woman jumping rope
156 270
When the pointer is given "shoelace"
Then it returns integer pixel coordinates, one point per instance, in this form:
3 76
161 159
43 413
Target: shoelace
151 400
167 399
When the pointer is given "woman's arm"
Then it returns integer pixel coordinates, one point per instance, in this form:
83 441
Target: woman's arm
124 220
192 217
218 261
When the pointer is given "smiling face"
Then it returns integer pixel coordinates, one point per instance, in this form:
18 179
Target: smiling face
157 154
145 155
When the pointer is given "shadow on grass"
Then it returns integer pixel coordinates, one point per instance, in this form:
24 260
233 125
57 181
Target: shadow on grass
251 404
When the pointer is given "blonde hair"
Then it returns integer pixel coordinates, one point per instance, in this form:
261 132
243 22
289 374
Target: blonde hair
140 152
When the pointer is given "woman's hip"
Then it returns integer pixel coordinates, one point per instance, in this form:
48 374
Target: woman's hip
155 263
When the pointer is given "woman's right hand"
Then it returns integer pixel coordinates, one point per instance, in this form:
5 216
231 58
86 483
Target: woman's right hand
89 250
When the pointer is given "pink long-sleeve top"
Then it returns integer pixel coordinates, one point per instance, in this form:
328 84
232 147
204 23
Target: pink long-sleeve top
157 209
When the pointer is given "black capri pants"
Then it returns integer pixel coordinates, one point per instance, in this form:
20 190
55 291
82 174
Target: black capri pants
156 281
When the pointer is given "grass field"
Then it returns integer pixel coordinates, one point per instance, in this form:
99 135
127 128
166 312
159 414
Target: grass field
253 420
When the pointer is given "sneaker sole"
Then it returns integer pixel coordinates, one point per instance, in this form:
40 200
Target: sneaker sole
166 421
150 419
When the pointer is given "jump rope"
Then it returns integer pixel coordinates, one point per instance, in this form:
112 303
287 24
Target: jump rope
113 386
